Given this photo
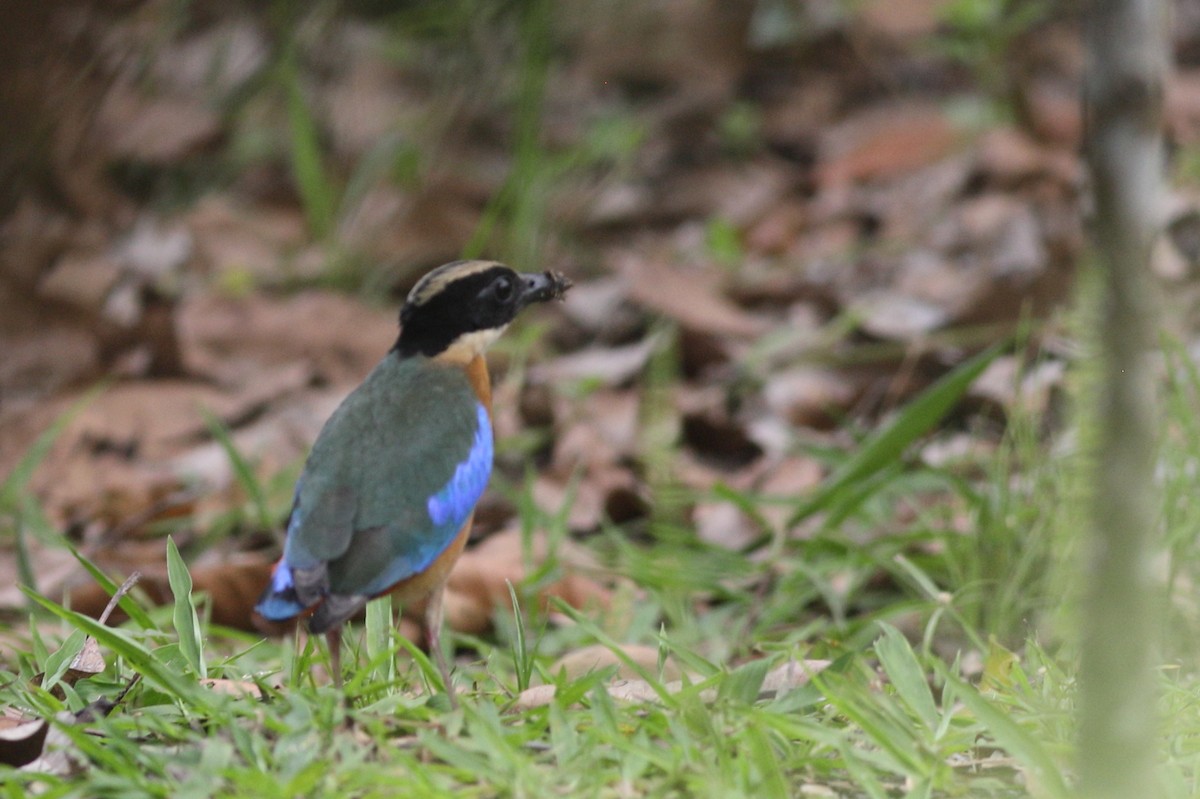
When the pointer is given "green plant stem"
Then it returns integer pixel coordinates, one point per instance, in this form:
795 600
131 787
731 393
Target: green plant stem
1128 56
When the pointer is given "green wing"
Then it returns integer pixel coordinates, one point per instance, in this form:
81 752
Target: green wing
361 519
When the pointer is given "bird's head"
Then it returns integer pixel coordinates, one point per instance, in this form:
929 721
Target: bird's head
457 310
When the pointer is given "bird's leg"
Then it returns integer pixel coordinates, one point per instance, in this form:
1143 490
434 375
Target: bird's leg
434 614
334 639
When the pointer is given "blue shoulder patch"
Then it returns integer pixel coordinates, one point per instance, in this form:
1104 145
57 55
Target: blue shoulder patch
454 502
448 510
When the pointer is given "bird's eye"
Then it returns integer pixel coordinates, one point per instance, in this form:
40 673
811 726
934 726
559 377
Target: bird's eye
502 289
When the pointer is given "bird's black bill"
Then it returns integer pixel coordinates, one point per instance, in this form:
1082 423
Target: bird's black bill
544 287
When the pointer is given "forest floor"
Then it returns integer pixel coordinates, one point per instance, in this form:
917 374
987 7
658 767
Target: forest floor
789 491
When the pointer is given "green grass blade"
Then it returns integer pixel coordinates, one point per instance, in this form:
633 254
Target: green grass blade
879 720
613 646
762 754
743 683
60 660
1008 734
242 470
886 446
432 674
158 673
110 586
861 772
906 674
308 170
522 663
379 638
18 479
24 514
187 622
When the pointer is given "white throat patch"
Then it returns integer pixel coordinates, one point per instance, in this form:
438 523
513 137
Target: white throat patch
466 347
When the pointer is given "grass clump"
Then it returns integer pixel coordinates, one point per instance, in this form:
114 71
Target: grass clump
210 712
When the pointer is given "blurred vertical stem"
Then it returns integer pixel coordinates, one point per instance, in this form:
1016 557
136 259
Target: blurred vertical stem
1127 52
660 428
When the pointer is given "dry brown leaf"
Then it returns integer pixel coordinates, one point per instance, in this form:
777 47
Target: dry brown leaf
580 662
82 280
88 663
236 240
603 429
46 356
888 314
901 19
885 142
1054 111
1183 106
795 476
811 396
481 577
36 745
700 50
430 226
1029 392
340 338
610 366
611 492
280 439
106 465
737 193
778 228
1009 157
233 585
689 296
365 105
723 525
53 565
162 130
238 688
21 739
600 308
465 612
778 680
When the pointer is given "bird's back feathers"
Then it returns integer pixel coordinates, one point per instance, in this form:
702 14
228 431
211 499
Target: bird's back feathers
391 479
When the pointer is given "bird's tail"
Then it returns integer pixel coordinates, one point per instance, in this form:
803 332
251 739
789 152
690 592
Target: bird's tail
279 601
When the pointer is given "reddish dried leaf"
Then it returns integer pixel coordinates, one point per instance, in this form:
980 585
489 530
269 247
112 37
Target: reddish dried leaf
233 585
885 143
1183 106
1054 111
478 585
901 19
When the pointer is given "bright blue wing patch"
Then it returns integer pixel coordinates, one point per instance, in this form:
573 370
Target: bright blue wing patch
457 498
448 509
